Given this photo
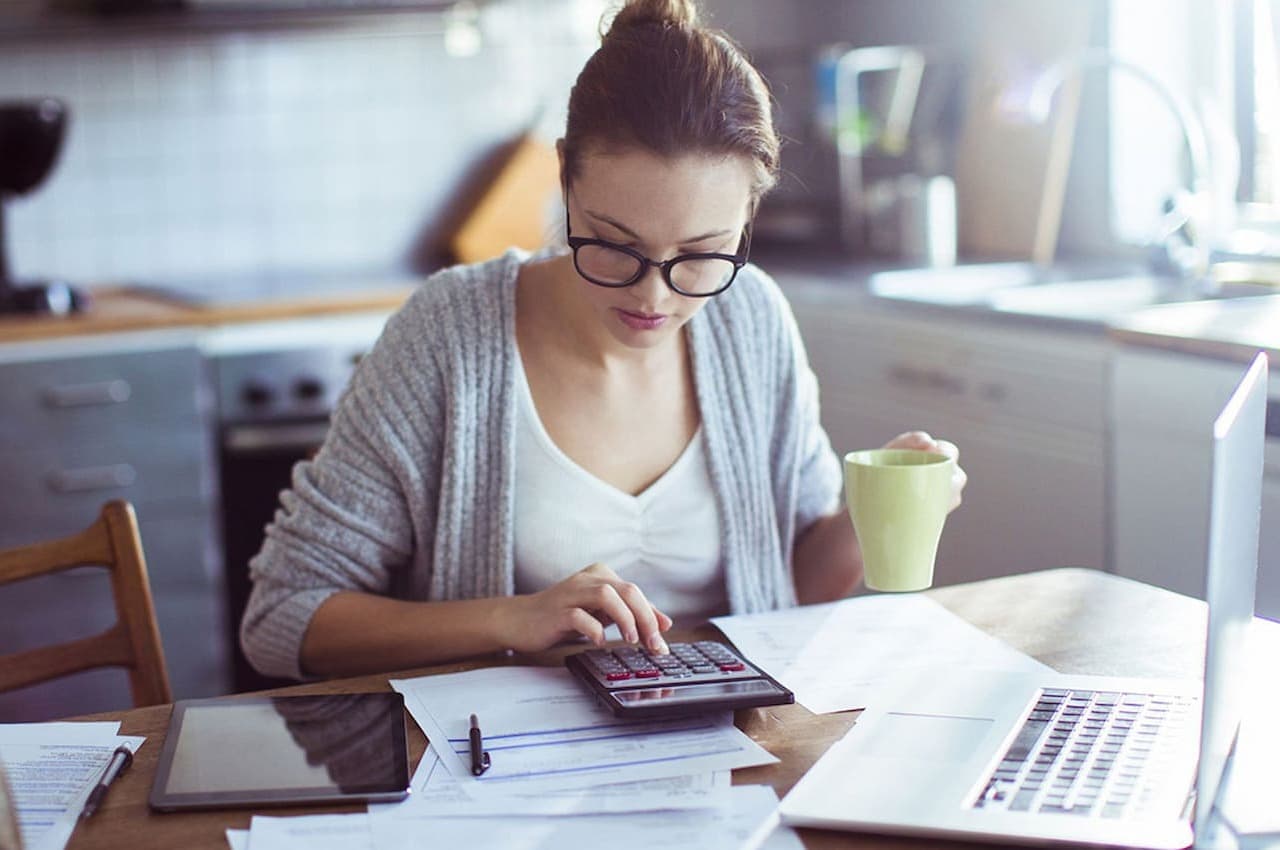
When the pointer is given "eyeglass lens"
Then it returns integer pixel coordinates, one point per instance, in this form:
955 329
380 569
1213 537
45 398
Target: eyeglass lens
611 266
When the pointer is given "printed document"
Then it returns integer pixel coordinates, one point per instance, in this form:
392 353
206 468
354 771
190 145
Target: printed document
51 769
835 656
434 791
748 813
316 832
749 809
1248 796
543 729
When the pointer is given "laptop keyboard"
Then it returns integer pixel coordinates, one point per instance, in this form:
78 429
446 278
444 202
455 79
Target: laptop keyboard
1091 753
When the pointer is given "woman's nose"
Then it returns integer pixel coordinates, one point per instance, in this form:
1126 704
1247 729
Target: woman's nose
651 287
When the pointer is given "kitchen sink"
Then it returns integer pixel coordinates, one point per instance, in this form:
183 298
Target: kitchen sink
1033 290
954 285
1098 299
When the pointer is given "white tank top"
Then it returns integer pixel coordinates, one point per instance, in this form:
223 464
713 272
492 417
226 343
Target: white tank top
666 539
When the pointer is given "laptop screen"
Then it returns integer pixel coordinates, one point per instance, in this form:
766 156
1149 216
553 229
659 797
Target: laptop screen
1235 508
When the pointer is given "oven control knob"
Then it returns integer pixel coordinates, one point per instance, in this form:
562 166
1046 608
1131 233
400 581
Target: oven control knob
308 389
257 394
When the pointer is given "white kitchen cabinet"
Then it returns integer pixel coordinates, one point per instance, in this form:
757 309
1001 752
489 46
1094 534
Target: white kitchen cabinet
1164 404
84 421
1025 403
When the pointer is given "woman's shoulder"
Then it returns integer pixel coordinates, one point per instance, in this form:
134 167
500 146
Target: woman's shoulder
457 301
754 300
467 284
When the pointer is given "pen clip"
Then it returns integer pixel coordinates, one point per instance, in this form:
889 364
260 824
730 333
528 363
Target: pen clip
478 770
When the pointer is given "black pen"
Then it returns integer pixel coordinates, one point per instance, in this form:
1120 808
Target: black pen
479 758
120 761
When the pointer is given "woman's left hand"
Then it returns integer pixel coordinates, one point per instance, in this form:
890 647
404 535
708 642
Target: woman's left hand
924 442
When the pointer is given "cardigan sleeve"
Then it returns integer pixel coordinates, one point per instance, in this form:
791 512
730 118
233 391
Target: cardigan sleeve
345 524
820 474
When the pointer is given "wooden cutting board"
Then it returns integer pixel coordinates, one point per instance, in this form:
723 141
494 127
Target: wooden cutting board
512 210
1010 171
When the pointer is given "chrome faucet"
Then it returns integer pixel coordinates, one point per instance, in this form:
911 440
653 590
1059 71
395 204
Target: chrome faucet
1186 230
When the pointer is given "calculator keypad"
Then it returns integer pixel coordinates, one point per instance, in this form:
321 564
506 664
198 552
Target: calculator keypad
688 662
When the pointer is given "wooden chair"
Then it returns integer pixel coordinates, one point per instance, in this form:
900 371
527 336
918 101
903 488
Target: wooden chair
133 642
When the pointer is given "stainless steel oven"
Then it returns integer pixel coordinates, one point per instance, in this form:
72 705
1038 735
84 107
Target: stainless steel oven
276 384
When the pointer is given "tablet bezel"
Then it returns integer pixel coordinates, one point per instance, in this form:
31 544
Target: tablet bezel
164 801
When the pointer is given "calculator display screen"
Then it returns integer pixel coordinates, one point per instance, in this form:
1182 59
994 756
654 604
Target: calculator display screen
694 692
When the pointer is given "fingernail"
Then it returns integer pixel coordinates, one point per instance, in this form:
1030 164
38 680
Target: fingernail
658 645
633 637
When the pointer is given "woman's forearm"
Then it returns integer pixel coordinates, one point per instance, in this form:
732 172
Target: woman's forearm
356 633
826 560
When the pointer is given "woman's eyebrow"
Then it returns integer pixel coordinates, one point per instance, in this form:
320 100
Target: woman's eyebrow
617 225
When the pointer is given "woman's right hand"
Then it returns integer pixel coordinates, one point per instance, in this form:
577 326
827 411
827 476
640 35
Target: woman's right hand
584 604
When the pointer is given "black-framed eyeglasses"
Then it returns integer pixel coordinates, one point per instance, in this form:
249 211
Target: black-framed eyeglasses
700 275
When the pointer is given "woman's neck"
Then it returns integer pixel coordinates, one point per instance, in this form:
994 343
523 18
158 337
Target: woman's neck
557 319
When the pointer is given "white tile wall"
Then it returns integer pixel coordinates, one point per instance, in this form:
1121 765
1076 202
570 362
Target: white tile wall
194 155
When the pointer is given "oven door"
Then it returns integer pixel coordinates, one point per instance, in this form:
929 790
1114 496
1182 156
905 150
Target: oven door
256 462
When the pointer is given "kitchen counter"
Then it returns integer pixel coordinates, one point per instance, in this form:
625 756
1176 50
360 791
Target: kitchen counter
1233 329
126 309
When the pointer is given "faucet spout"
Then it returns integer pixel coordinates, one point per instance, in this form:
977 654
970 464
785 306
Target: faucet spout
1189 251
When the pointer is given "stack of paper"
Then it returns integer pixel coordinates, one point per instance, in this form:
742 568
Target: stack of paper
564 773
51 769
1247 799
836 657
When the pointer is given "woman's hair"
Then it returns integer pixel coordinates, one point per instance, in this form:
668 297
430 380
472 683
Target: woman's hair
663 83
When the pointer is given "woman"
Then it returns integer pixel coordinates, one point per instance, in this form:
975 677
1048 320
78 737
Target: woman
625 433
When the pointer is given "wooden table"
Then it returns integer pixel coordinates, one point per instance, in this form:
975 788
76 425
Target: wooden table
1074 620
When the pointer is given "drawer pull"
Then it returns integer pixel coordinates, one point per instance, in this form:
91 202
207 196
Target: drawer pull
926 379
86 478
117 391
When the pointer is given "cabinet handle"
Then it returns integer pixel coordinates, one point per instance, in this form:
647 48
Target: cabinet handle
929 379
117 391
87 478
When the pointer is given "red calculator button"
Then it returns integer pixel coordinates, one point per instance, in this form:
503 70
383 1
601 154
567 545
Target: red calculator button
650 673
619 676
733 667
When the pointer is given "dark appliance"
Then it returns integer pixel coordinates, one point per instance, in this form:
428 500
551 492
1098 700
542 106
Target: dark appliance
31 135
277 385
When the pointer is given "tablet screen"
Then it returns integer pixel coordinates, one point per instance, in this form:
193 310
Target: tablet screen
278 750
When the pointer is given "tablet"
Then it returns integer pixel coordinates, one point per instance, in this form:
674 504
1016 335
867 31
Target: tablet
287 750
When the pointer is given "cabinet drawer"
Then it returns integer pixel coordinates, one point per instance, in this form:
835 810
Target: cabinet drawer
182 552
163 469
980 370
100 399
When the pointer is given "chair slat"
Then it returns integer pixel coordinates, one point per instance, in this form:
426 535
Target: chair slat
112 542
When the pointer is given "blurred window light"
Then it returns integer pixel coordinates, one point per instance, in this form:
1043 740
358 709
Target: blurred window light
1263 165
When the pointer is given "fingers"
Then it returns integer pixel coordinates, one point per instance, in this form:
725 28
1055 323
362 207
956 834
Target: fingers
920 440
959 478
646 619
587 626
604 596
924 441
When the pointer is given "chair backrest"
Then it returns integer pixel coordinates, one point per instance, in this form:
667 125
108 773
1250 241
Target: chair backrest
133 642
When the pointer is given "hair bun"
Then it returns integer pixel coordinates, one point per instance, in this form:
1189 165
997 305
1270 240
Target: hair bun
636 13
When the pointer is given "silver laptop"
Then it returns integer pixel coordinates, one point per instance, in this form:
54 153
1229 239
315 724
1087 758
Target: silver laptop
1054 758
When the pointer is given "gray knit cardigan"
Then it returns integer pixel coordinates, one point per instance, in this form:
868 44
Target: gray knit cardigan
411 494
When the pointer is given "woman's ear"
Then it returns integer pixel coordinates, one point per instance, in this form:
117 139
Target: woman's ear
564 181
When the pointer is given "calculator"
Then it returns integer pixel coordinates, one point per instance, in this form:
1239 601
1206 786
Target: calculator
696 677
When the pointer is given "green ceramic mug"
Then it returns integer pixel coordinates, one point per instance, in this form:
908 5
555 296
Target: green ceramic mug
898 500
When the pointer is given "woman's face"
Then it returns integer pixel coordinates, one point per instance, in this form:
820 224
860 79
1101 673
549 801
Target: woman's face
661 208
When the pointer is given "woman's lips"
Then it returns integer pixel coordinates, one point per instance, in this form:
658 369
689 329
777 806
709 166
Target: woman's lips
641 321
